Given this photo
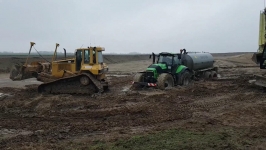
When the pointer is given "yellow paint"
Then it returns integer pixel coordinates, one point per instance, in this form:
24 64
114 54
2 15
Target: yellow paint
261 32
61 66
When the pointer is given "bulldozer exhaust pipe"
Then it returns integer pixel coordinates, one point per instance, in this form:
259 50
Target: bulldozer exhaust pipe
65 52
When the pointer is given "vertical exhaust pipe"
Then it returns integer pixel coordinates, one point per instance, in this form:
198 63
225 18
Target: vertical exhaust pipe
65 52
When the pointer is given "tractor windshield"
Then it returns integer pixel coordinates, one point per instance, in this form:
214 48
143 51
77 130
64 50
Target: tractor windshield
165 58
176 60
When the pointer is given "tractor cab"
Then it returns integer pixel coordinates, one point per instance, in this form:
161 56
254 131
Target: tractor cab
168 61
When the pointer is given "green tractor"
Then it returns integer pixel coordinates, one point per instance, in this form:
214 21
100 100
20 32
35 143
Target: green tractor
168 71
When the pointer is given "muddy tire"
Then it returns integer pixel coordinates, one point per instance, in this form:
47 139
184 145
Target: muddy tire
185 78
139 77
207 75
214 75
165 80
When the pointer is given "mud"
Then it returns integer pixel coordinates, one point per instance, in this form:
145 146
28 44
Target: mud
34 121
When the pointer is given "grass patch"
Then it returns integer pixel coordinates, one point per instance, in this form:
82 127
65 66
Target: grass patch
173 139
177 140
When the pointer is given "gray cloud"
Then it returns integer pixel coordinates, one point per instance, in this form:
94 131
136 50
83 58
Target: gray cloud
124 26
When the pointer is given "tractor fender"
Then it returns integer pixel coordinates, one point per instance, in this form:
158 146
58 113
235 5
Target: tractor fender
181 69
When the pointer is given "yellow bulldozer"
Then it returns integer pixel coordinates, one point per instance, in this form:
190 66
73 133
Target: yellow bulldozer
83 74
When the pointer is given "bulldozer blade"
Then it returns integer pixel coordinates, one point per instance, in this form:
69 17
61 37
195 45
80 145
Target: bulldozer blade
18 72
15 72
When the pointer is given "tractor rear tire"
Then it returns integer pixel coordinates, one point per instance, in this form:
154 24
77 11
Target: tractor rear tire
185 79
139 77
165 80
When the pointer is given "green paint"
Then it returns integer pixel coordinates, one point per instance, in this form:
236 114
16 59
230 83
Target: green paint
151 69
163 66
154 72
180 68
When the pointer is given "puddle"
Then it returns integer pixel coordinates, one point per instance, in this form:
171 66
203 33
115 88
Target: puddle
125 88
117 75
3 96
18 84
9 133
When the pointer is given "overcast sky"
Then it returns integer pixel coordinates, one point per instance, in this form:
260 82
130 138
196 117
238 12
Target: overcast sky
123 26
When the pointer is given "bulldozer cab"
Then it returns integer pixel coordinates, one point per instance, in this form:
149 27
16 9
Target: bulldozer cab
90 55
85 60
89 59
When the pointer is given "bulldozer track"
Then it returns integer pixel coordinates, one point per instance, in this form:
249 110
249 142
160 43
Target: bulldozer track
71 85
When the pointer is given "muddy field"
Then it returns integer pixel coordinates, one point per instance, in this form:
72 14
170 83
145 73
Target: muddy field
222 114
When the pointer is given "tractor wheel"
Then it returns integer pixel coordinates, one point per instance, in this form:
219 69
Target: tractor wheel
165 80
185 78
139 77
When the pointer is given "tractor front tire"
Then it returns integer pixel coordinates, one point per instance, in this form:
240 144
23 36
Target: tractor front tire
165 80
139 77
